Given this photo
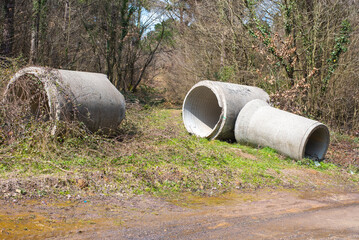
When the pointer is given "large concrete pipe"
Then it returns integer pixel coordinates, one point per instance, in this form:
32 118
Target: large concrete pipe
87 97
211 108
290 134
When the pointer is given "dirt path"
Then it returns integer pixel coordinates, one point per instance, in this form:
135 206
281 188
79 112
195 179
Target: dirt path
261 215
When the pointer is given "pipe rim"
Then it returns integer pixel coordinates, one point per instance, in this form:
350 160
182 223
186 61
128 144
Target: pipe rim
42 75
49 78
216 130
314 129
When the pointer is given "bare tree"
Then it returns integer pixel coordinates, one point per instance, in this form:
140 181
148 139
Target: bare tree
8 28
118 35
37 28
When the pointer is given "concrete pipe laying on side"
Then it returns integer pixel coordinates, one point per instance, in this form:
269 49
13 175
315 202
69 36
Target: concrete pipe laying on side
84 96
290 134
210 108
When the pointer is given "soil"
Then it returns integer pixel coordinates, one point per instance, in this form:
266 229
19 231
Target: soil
344 152
264 214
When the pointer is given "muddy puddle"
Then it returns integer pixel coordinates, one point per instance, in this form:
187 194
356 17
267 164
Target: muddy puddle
47 219
272 213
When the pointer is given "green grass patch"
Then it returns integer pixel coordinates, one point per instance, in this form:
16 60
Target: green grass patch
153 154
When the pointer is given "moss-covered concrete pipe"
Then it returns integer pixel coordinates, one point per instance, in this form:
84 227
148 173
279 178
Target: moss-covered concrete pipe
210 108
290 134
88 97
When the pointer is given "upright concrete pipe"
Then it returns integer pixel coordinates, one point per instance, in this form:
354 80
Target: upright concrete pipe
88 97
211 108
290 134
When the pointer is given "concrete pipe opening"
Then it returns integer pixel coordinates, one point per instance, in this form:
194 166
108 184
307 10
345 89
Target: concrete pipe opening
317 143
28 97
63 95
210 108
201 111
295 136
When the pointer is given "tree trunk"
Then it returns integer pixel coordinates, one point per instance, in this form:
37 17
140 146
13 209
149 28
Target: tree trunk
111 43
125 15
35 28
8 33
67 28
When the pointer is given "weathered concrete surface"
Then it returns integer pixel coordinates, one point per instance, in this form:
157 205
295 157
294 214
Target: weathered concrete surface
293 135
211 108
88 97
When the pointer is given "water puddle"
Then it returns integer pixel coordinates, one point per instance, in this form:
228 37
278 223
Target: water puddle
38 219
46 218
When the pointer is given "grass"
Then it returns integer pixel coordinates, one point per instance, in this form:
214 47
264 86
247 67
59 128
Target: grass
152 154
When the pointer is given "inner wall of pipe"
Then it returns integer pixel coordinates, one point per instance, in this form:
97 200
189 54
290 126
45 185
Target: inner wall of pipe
201 111
29 92
317 144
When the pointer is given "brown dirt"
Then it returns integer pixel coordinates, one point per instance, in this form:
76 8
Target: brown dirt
264 214
344 152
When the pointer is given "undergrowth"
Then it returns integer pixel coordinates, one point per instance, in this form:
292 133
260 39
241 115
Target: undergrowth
152 154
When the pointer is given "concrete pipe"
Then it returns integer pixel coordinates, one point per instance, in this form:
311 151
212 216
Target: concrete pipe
211 108
290 134
87 97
